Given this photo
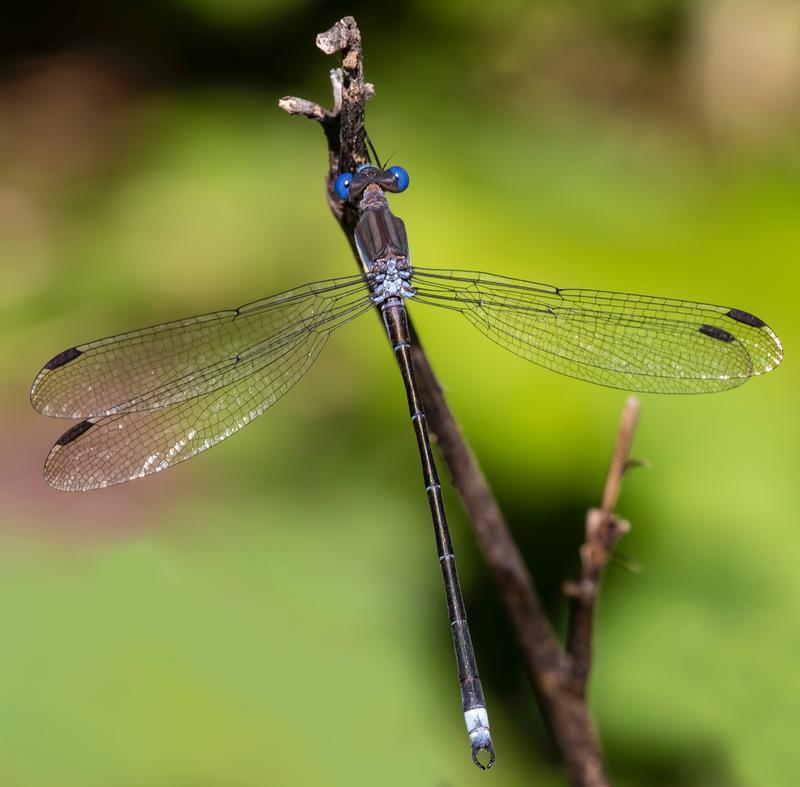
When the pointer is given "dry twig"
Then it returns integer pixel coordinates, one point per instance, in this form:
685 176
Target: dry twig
603 530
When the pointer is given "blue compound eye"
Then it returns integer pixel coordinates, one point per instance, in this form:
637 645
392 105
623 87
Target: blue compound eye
341 185
401 176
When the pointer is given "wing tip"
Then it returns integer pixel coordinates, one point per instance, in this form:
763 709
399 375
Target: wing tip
771 356
54 471
56 362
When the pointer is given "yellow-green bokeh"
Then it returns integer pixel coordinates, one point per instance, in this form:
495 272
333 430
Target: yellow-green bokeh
270 613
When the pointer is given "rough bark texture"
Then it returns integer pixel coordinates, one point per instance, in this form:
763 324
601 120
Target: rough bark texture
559 675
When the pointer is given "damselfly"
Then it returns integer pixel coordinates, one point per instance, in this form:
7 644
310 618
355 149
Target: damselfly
154 397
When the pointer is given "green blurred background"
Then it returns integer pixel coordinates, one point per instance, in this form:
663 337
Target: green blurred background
271 613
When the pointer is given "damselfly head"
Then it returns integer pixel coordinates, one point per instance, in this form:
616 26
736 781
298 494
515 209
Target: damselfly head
349 186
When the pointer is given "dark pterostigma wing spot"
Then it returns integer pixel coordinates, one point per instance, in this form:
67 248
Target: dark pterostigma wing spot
63 357
74 432
746 318
716 333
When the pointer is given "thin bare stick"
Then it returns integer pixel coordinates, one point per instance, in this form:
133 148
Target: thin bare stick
621 456
546 662
603 530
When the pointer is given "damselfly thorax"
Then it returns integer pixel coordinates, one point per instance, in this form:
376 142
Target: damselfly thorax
382 243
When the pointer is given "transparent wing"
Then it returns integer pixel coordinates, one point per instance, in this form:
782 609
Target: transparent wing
163 426
622 340
169 363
